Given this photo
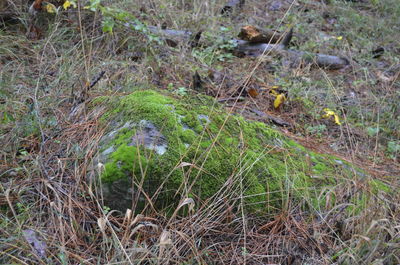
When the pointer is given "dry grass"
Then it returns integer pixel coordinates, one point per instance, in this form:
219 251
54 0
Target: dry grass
46 151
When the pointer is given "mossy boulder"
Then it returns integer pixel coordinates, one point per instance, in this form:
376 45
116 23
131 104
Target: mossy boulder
160 149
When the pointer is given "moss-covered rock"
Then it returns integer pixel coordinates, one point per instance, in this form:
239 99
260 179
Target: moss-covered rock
162 149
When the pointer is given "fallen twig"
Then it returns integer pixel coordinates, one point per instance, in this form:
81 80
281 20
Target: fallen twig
96 79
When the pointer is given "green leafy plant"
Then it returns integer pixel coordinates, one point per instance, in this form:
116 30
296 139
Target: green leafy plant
106 209
181 91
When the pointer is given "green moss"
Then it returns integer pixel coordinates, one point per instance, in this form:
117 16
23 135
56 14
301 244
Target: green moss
272 168
123 162
320 168
188 136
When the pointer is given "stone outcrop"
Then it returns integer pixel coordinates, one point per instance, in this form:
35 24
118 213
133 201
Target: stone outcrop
158 150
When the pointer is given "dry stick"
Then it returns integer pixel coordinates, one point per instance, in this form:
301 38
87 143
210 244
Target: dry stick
96 79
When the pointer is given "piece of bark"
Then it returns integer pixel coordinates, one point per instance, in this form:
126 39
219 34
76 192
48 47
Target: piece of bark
231 5
255 35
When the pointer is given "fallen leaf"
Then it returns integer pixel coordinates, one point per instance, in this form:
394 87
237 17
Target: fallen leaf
50 8
279 97
329 113
252 92
273 91
67 4
279 100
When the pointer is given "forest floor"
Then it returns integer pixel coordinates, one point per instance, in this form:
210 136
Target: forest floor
54 63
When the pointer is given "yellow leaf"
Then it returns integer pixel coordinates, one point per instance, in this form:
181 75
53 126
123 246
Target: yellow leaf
339 38
273 92
50 8
337 121
330 113
279 100
66 5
